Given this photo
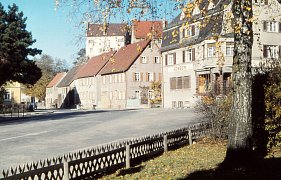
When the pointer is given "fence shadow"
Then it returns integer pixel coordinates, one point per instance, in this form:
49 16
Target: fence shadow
268 169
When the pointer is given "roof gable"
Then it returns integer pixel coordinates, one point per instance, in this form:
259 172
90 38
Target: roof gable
94 65
58 77
145 29
124 58
70 76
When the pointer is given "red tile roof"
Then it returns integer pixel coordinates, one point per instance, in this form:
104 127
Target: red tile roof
94 65
97 30
56 79
124 58
142 29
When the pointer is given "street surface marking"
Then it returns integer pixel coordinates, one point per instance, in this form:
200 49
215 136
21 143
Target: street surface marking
26 135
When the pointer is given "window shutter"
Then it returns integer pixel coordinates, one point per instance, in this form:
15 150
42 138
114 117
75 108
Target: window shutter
265 55
166 59
154 76
193 30
160 77
279 52
141 76
134 77
183 56
147 77
264 26
175 60
193 54
183 33
279 26
173 83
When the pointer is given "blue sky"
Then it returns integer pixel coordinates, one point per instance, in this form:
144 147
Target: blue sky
54 33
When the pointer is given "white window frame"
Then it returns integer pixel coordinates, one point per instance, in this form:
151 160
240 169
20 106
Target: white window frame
272 51
143 59
170 59
211 51
229 50
7 96
137 94
150 76
188 55
137 76
156 59
272 26
150 94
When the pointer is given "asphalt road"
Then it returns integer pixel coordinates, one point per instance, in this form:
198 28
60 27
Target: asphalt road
61 132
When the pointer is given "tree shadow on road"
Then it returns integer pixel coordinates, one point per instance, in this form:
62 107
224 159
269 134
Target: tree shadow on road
268 169
53 116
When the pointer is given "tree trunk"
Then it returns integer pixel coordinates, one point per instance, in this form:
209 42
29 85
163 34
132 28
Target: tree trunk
239 147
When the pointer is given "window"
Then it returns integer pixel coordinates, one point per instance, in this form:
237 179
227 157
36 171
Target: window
150 76
229 49
7 96
143 59
180 104
174 104
196 10
211 51
170 59
192 30
137 76
156 60
189 55
180 82
137 94
270 26
261 2
270 51
150 94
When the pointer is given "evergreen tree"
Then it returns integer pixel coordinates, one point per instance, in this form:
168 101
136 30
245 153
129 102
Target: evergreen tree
15 42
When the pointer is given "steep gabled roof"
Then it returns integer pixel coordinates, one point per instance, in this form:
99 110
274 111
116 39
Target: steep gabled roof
94 65
58 77
124 58
97 30
142 29
70 76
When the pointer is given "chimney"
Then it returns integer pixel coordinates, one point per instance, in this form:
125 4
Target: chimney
164 23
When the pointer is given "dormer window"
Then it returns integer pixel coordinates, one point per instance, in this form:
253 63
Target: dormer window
182 16
192 30
211 5
196 10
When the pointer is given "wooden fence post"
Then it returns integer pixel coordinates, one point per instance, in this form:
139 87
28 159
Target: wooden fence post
189 136
165 142
128 156
65 170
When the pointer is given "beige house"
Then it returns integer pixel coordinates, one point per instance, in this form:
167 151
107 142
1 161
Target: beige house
86 82
127 77
13 93
52 91
198 50
103 38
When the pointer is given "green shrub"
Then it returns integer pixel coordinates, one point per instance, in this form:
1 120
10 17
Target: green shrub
216 108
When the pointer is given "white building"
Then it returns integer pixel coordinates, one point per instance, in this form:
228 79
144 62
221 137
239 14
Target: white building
103 38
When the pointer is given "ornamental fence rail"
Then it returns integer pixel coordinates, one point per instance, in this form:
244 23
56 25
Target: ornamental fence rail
16 111
98 161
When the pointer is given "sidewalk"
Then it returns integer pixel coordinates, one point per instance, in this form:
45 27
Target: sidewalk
21 115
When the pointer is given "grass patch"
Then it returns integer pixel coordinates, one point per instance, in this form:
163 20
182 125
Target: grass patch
200 161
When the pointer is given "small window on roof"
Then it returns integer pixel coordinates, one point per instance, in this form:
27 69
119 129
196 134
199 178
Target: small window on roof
211 5
196 10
